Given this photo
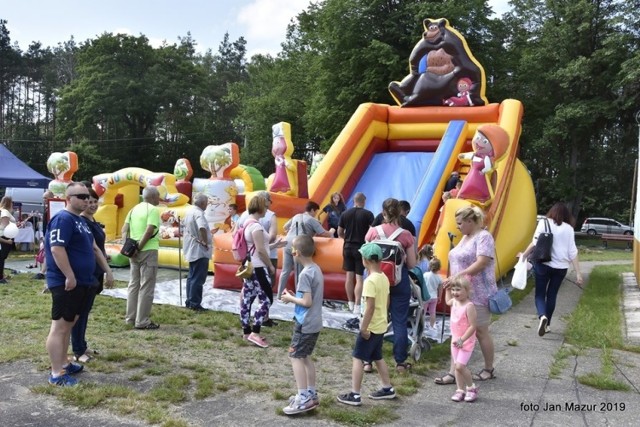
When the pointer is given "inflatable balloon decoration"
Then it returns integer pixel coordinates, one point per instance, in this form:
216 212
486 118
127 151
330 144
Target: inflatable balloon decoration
11 231
221 189
490 143
317 158
439 65
183 173
62 166
290 177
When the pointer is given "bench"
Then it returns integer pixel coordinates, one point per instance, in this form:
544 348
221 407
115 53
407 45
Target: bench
606 238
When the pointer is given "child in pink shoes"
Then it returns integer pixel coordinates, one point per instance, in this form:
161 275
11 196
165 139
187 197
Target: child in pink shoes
463 336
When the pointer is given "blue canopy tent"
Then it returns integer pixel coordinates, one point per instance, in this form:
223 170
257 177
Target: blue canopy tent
15 173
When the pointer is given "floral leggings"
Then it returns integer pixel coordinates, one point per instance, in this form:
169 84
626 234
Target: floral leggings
250 290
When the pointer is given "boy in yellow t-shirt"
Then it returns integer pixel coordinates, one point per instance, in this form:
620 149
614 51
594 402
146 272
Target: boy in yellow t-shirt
375 298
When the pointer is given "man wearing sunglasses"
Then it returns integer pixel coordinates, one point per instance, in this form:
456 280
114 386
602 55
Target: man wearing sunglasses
71 255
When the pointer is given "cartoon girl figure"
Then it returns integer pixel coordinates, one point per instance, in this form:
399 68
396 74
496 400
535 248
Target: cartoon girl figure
279 150
464 95
489 143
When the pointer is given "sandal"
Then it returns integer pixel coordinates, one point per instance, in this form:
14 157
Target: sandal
446 379
480 377
403 367
83 358
367 367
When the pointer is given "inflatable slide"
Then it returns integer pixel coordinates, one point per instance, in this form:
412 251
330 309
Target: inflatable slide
409 152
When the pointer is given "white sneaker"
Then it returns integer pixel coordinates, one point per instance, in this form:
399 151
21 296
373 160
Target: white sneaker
300 405
542 326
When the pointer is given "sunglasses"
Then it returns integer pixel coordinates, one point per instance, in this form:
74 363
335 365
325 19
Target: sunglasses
80 196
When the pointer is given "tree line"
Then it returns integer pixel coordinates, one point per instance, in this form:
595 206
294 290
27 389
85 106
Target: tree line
117 101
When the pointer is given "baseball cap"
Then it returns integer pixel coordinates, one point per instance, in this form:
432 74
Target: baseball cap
371 251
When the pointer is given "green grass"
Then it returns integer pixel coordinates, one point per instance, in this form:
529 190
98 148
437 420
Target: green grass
591 249
190 358
596 323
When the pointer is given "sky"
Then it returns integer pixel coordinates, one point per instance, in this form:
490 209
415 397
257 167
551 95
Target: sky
262 23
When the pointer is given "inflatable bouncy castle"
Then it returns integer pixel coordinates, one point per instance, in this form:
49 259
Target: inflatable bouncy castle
443 123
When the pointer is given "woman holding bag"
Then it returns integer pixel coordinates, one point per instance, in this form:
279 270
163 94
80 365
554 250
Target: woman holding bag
474 257
549 275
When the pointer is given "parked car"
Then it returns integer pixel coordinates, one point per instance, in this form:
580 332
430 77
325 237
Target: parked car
596 225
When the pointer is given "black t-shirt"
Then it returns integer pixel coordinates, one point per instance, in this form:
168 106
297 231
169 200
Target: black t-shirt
404 223
356 222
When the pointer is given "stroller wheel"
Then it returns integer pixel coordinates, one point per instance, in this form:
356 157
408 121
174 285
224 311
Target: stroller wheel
416 351
425 344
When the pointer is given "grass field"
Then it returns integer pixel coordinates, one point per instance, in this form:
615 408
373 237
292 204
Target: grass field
192 357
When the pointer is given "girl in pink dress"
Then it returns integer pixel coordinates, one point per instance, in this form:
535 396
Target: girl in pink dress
463 336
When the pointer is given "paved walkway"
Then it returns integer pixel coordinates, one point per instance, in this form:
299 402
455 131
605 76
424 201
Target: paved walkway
523 394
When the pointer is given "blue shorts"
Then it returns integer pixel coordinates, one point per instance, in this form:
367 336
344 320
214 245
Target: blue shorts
368 350
302 345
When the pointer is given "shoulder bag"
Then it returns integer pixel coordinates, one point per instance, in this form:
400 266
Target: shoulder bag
542 251
130 245
500 302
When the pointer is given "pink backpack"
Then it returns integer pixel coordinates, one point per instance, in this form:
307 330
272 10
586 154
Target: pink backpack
239 246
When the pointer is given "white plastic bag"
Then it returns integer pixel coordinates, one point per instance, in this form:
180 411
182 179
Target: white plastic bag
519 279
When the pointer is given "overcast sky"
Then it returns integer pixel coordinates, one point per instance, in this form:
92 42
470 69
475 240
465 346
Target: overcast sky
262 23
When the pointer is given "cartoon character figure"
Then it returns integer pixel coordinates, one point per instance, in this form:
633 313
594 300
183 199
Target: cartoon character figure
170 227
490 144
279 149
464 95
62 166
447 57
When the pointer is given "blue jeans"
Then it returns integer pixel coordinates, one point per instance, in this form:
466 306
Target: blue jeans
79 330
548 281
195 280
399 298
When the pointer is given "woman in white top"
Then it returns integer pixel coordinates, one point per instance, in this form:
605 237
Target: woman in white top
549 275
258 245
6 217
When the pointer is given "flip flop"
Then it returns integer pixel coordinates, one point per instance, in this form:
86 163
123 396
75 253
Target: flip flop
367 367
446 379
479 377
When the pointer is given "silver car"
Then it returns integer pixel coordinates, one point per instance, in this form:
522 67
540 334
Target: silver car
596 225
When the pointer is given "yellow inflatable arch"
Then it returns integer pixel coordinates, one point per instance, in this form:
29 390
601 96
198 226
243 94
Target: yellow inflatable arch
120 191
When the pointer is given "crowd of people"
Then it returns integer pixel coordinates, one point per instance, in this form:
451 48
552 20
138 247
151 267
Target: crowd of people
77 270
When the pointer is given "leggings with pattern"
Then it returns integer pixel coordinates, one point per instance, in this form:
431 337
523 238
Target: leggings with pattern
250 290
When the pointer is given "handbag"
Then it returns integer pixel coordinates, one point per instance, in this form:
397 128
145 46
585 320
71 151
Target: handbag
245 269
542 251
519 278
500 302
129 248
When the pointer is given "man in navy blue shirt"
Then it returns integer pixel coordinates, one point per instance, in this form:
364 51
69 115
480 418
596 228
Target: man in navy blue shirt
71 255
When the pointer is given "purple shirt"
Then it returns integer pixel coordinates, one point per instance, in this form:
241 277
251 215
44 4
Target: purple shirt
466 253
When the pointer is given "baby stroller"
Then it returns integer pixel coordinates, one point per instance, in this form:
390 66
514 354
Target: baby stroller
415 320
